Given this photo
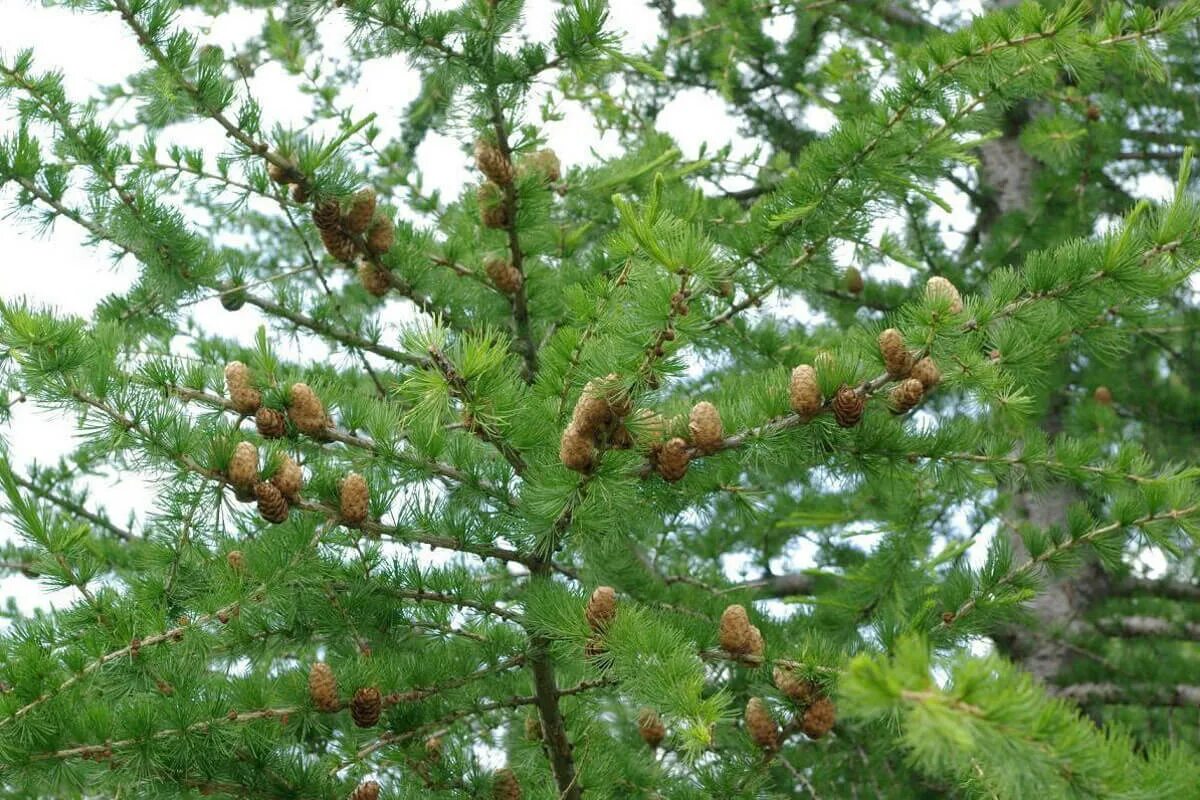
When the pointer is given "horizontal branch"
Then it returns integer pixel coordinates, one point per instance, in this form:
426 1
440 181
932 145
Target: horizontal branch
1165 588
1137 627
1181 695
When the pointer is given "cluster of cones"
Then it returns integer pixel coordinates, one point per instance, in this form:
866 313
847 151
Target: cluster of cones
815 711
358 228
365 706
494 209
599 421
915 377
276 495
304 409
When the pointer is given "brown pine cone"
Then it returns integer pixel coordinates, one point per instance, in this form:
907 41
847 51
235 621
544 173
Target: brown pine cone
673 460
272 505
819 718
328 219
757 645
270 423
376 281
848 406
327 216
543 163
620 401
905 395
493 212
300 193
506 786
282 175
322 688
592 411
362 211
354 499
798 690
761 726
492 162
366 706
805 392
245 398
705 427
927 372
433 749
306 411
243 466
236 561
854 281
601 608
367 790
576 450
938 288
381 235
595 647
1103 395
736 634
288 479
503 275
896 358
651 727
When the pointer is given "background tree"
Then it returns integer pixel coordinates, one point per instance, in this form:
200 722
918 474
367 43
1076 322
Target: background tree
465 519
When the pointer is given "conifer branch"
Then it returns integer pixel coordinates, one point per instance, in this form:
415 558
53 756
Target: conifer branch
1180 696
1032 566
1166 588
1137 627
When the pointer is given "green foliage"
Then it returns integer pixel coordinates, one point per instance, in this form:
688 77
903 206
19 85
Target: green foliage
964 580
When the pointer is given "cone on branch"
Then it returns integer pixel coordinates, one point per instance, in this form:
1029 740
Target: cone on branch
601 608
328 219
736 635
281 174
506 786
236 561
366 706
592 411
927 372
543 163
361 212
939 289
905 395
650 727
1103 395
288 479
804 392
243 466
381 235
762 727
433 749
306 411
848 406
272 505
704 425
491 161
818 718
354 499
504 276
270 423
794 687
322 688
367 790
854 281
896 359
493 211
576 450
672 460
377 281
245 398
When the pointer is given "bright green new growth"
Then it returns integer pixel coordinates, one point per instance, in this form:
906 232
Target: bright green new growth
994 637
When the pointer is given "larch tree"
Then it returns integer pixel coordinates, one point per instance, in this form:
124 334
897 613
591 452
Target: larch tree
858 462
